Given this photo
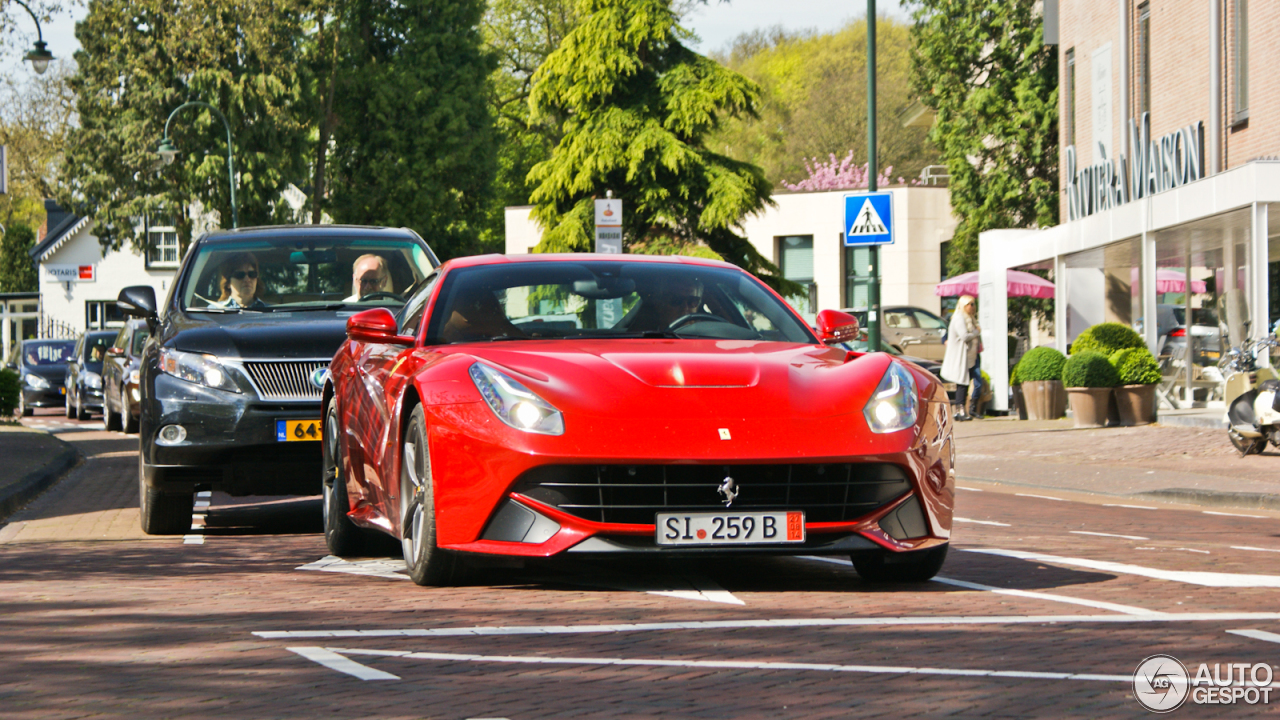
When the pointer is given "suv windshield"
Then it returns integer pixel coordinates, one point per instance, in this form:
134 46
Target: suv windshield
553 299
292 273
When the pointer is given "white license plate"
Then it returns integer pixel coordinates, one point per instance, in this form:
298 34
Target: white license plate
730 528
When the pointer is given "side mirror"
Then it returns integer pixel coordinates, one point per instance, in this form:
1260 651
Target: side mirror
836 327
138 301
376 326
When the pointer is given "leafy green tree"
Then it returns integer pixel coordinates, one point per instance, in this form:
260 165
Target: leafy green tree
36 114
17 271
140 60
415 144
984 69
814 100
639 106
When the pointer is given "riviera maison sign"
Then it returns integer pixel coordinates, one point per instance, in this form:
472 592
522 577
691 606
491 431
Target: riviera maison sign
1161 164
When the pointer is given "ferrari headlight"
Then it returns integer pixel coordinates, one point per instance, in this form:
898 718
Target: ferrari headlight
196 368
93 380
35 382
894 404
515 404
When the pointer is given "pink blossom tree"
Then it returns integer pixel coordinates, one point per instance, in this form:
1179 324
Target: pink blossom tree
836 174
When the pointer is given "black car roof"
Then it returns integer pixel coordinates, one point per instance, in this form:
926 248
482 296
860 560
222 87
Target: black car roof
316 231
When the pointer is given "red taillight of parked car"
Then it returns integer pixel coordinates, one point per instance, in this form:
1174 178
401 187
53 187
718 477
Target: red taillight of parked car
1180 332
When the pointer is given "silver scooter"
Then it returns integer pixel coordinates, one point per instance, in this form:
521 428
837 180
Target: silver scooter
1253 398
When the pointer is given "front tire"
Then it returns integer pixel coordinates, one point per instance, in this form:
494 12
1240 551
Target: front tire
112 420
1247 446
428 564
26 410
81 413
67 407
909 567
341 535
130 422
160 513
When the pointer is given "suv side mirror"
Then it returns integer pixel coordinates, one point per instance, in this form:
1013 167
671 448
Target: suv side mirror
376 326
836 327
114 351
138 301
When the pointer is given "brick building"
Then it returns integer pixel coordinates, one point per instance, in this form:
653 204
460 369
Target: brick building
1169 179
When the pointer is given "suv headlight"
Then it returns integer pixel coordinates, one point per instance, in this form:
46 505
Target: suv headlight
93 380
196 368
515 404
35 382
135 375
894 404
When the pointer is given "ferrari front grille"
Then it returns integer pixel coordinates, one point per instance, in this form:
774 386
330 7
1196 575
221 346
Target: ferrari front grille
633 494
286 379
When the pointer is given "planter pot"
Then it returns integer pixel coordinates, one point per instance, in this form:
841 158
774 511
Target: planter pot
1045 399
1137 404
1019 402
1089 406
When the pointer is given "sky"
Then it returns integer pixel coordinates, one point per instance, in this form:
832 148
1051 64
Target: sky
717 24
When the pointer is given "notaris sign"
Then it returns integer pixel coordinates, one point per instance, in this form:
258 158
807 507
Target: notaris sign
1159 164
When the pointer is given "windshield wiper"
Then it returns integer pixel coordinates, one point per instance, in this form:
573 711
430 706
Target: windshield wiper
215 309
497 338
303 308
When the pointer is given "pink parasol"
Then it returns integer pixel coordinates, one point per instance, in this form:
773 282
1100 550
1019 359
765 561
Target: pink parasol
1169 280
1021 284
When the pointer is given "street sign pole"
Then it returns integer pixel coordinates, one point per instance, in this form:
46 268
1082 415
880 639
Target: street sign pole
873 287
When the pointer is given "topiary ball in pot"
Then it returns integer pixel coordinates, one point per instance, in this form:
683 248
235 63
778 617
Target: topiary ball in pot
1038 364
1089 370
1106 338
1136 366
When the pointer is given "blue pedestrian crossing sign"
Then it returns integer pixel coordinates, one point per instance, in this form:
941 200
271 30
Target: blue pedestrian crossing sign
868 219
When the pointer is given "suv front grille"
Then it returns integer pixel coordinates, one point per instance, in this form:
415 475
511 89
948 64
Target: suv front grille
285 379
633 494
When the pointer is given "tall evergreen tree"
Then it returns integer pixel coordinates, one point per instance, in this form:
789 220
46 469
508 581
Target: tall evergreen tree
984 69
140 60
639 106
17 271
414 143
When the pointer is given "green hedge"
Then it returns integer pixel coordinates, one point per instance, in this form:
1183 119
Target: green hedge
1042 363
1136 366
1089 370
10 386
1107 338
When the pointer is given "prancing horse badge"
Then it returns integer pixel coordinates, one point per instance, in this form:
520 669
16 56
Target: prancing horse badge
724 433
729 489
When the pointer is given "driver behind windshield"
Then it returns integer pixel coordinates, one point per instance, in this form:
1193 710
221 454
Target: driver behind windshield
238 282
369 275
666 301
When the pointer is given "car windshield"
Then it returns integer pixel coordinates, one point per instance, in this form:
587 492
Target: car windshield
139 340
49 353
95 346
291 273
588 299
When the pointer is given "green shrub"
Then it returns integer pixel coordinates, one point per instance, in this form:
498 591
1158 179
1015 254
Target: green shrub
1089 370
1136 366
987 391
1106 338
10 386
1042 363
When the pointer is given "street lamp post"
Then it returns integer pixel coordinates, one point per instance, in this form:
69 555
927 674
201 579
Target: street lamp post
39 57
169 152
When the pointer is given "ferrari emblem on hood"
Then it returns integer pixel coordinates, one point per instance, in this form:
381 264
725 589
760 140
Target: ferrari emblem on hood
728 489
724 433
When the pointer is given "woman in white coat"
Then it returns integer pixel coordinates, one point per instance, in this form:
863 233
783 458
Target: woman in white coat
962 350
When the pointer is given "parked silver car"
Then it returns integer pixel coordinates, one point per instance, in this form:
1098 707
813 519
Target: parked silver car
915 330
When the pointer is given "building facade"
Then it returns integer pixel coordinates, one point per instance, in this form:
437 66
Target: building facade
804 235
1169 179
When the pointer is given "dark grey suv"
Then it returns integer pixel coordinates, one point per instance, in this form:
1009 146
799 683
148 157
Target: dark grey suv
230 384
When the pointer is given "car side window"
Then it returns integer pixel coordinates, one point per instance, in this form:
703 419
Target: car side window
414 310
928 321
122 339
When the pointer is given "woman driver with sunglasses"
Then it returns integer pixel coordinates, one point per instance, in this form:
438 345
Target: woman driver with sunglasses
239 283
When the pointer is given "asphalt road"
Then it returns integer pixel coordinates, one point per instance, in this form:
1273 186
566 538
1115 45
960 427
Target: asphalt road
1047 604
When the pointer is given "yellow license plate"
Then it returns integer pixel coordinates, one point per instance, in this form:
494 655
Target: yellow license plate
297 430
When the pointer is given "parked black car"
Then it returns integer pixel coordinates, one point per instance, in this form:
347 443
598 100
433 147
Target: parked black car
84 373
121 397
42 369
231 381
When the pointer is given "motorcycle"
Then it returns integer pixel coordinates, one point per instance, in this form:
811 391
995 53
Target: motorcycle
1252 394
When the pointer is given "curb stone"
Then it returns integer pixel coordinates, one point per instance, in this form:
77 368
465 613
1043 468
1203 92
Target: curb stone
15 495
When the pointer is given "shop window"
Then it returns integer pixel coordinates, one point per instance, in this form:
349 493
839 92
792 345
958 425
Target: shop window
795 253
1240 66
1070 110
857 263
1144 58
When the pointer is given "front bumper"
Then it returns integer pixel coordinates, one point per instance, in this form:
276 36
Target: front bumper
231 442
51 397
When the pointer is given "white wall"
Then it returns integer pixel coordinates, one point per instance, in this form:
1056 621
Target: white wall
909 269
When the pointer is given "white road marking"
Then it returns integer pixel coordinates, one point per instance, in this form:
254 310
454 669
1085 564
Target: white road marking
198 516
1202 552
1257 635
334 661
1211 512
981 522
768 624
1207 579
1126 537
332 657
390 568
1097 604
1246 547
1131 507
966 489
1042 497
